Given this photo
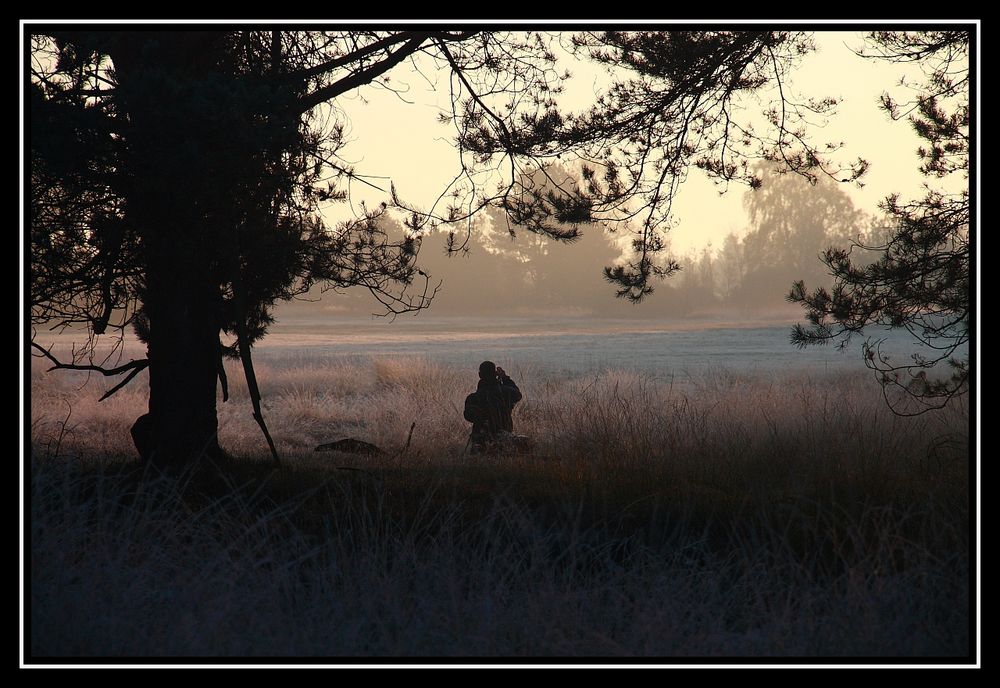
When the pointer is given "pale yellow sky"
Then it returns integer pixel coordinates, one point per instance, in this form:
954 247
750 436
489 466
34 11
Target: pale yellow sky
403 140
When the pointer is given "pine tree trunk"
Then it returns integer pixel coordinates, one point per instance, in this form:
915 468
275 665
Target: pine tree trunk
183 352
170 138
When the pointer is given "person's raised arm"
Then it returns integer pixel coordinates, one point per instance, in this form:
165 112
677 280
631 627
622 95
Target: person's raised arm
508 386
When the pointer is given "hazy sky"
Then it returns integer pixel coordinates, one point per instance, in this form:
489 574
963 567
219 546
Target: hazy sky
404 141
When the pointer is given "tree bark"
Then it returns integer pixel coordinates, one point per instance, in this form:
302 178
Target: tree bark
183 351
170 138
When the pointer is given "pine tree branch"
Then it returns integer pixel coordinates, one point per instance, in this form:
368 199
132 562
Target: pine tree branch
362 77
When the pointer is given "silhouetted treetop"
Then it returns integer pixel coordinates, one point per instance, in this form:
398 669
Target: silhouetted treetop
675 100
938 108
920 280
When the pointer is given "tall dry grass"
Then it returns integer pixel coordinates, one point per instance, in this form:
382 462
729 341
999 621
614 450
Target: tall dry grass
728 516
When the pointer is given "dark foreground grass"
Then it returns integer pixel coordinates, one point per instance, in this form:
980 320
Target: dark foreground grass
481 561
650 522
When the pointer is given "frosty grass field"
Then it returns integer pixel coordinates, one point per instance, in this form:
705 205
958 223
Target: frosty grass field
695 493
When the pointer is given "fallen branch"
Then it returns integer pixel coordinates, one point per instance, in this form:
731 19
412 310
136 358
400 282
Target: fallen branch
349 445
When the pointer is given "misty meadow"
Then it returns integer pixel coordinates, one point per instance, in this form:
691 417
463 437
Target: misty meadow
468 344
712 513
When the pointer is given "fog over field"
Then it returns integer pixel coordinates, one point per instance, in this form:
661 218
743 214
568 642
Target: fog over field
747 274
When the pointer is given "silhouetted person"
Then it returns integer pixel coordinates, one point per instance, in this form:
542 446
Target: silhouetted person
489 407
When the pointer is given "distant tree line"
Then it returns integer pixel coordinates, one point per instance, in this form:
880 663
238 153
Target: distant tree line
790 224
